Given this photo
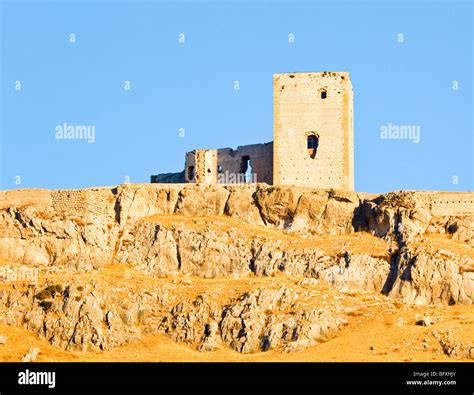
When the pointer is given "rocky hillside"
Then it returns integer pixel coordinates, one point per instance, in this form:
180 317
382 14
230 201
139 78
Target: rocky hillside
414 247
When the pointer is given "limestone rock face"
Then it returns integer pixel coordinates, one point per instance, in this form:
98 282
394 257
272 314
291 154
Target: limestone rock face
462 229
65 317
257 321
201 200
310 210
150 248
194 322
413 246
134 203
242 205
278 205
82 243
453 346
207 253
397 221
210 254
339 213
357 272
86 235
95 316
82 315
423 278
407 215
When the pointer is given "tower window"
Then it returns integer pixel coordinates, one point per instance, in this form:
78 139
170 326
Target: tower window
190 172
324 94
312 143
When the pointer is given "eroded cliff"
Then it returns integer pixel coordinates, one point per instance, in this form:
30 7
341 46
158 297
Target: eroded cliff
416 247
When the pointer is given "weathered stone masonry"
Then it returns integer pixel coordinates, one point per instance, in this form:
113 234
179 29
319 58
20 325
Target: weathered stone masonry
313 109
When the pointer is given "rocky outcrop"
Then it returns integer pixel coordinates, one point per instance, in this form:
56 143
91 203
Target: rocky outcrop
257 321
83 315
418 276
66 317
233 231
150 248
84 230
205 252
93 316
453 345
30 236
406 215
31 355
297 209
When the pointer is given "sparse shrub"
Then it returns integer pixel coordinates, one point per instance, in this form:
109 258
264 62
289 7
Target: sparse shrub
49 292
45 305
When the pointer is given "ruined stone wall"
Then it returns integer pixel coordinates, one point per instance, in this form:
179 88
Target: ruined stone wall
201 166
100 201
91 201
320 104
189 166
259 157
452 203
168 178
69 201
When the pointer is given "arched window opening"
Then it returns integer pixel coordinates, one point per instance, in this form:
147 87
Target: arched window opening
312 143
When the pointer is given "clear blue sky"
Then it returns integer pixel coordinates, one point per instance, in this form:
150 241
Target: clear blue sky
191 85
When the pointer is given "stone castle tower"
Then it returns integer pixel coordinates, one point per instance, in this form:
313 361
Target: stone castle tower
313 140
313 130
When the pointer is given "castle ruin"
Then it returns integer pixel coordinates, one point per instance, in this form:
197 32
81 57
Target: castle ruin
313 144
